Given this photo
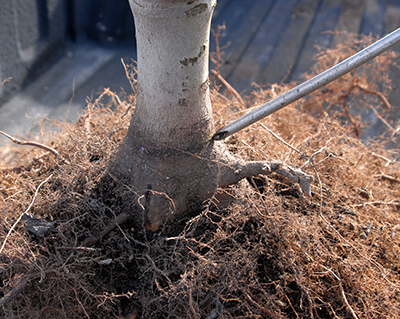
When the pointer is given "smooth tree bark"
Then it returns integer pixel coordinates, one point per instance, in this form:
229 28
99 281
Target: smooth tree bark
168 163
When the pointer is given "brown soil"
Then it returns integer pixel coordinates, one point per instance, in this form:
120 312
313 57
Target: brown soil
271 253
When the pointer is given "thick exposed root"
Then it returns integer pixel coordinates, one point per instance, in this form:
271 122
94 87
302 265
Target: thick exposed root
164 184
234 172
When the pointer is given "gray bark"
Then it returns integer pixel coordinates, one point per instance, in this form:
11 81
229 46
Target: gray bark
168 164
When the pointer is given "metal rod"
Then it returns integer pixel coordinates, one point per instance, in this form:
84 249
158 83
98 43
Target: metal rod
311 85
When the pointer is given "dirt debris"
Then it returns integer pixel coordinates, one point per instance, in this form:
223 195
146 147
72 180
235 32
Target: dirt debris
272 253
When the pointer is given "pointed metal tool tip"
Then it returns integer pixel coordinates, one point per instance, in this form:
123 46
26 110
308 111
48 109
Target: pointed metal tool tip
220 135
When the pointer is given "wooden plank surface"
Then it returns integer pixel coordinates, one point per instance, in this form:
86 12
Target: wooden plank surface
392 16
48 93
325 19
221 6
261 47
374 18
350 19
242 20
289 47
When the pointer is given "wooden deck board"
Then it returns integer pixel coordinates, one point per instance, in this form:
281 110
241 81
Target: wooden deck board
325 19
240 29
221 6
48 93
392 16
349 20
290 44
374 18
261 47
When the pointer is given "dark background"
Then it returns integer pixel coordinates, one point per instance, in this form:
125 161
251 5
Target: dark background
63 53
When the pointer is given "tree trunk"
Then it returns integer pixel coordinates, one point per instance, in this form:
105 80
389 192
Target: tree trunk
167 158
168 164
173 105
